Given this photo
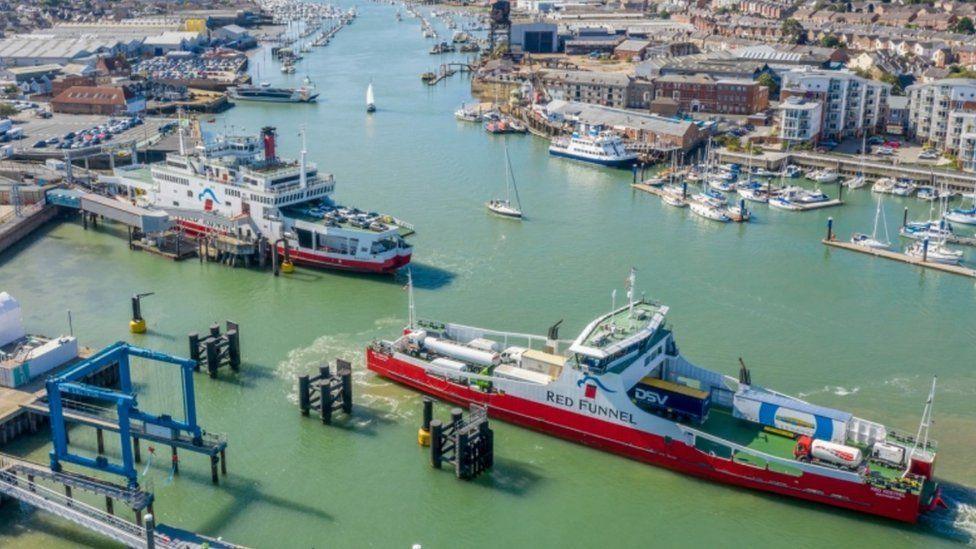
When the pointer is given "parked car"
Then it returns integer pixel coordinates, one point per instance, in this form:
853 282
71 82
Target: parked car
929 154
885 151
40 144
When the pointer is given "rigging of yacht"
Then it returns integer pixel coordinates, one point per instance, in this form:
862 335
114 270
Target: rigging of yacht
872 240
370 100
505 208
858 180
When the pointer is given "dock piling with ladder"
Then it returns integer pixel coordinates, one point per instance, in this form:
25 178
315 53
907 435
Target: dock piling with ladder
469 444
216 349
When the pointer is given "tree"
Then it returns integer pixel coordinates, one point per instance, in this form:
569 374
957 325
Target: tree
889 78
964 26
830 41
7 110
793 31
768 80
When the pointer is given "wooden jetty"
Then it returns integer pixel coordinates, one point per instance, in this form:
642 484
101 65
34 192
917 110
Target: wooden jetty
904 258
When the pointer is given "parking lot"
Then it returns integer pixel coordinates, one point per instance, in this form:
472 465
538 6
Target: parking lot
59 125
898 151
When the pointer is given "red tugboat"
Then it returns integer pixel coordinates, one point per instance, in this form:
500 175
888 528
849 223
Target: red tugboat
622 386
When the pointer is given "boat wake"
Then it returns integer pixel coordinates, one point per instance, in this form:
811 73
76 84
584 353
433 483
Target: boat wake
832 389
958 522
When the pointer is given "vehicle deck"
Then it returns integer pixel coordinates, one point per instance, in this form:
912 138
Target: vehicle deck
723 424
297 213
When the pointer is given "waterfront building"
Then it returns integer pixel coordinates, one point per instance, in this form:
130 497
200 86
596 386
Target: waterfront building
104 100
703 93
851 105
640 127
937 111
610 89
800 120
535 37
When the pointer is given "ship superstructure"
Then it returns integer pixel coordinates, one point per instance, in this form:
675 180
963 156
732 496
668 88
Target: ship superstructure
623 386
238 184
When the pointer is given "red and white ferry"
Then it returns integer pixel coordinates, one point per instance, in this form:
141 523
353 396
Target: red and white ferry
238 185
622 386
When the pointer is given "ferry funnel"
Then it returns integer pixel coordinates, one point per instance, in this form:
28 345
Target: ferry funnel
268 135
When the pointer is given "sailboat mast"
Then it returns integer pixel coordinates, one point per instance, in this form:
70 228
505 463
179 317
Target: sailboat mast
411 308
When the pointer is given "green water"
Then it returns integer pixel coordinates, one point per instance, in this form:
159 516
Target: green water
840 328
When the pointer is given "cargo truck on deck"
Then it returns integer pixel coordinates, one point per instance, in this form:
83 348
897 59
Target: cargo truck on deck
671 399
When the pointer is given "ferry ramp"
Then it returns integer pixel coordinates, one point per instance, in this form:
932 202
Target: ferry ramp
144 219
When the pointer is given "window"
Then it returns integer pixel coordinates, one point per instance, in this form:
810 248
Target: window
305 238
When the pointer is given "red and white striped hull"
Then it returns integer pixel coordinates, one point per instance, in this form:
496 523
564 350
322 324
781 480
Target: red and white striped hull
650 447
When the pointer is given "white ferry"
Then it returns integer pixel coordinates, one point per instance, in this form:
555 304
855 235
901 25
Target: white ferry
301 94
594 144
239 186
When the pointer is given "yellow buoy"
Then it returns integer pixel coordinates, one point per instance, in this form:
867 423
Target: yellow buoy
423 437
287 267
137 326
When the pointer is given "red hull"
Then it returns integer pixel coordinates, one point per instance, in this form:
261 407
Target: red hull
320 261
651 448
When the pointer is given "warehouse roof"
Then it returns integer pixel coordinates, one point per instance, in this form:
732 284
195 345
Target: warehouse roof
50 47
622 118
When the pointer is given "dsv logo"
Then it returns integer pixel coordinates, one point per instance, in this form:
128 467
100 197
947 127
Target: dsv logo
650 397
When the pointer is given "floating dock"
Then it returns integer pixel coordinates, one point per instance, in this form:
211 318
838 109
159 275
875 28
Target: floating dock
819 205
904 258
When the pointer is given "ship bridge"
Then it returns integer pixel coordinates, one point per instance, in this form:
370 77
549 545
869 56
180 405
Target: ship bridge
619 334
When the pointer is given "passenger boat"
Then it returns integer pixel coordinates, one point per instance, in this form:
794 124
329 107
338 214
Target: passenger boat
595 145
623 386
238 186
274 95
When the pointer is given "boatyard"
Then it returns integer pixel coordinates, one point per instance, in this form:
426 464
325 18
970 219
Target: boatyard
358 203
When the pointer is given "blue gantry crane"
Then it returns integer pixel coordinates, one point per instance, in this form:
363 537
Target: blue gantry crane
130 422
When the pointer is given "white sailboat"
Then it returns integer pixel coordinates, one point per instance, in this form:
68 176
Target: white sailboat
505 208
370 100
872 240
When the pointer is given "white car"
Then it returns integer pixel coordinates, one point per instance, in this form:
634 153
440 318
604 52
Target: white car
886 151
930 154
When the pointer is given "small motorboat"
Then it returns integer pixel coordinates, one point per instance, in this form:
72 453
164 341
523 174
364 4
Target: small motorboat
883 185
824 176
855 182
959 215
928 193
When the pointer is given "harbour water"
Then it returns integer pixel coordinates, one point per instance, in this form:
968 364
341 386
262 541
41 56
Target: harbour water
839 328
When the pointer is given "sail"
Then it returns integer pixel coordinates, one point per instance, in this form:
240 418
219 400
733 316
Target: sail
369 95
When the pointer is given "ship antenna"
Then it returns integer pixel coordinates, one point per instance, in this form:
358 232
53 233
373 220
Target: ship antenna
631 282
179 126
925 423
303 177
613 307
411 308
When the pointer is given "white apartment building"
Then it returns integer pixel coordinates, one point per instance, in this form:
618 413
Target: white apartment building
800 120
938 111
851 105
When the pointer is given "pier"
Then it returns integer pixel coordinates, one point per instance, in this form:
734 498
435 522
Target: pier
831 240
326 393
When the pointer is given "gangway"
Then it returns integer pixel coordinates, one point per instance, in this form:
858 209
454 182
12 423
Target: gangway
144 219
82 514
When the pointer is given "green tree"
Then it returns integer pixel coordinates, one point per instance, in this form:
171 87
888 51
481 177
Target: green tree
964 26
7 110
830 41
768 80
889 78
793 31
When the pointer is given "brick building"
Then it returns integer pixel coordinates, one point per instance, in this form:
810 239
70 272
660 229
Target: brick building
702 93
104 100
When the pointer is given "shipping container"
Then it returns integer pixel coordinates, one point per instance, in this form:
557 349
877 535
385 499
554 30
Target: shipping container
666 398
789 414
